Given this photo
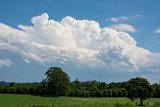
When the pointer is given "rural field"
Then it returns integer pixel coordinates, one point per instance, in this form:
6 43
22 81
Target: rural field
12 100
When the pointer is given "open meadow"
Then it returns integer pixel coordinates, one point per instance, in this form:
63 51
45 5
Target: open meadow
12 100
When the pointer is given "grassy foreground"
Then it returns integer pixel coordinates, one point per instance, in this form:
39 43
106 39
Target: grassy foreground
11 100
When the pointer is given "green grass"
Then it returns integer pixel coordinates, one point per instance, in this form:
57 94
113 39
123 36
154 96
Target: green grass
11 100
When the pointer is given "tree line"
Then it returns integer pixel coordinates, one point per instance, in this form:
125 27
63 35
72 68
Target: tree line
57 83
76 89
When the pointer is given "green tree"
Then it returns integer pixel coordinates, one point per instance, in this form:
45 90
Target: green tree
77 93
109 93
102 86
1 89
156 87
57 82
19 90
12 84
6 89
13 90
77 84
138 88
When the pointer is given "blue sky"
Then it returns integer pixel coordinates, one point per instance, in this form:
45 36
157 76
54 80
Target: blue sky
106 40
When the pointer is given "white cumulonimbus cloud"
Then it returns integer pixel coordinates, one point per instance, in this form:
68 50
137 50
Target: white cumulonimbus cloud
77 41
5 62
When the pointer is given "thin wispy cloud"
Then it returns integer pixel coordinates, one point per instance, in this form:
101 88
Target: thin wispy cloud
157 31
5 62
136 16
118 19
123 27
123 18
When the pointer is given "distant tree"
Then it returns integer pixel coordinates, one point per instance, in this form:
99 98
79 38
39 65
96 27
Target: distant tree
57 82
13 90
109 93
72 93
93 85
77 84
157 90
25 89
12 84
19 90
93 93
6 89
1 89
83 93
119 92
77 93
99 93
32 90
138 88
87 94
114 93
42 88
102 86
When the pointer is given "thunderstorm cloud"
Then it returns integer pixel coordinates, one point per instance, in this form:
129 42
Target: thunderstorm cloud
78 41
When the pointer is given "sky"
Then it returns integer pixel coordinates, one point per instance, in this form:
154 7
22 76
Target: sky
103 40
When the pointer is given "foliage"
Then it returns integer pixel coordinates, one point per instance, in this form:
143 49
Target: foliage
156 88
57 82
139 88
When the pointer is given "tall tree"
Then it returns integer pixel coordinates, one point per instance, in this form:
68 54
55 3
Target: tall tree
139 88
57 82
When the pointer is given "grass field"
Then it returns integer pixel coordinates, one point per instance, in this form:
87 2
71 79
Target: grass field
11 100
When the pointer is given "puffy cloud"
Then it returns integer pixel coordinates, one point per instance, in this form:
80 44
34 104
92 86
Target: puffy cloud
5 62
123 27
77 42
